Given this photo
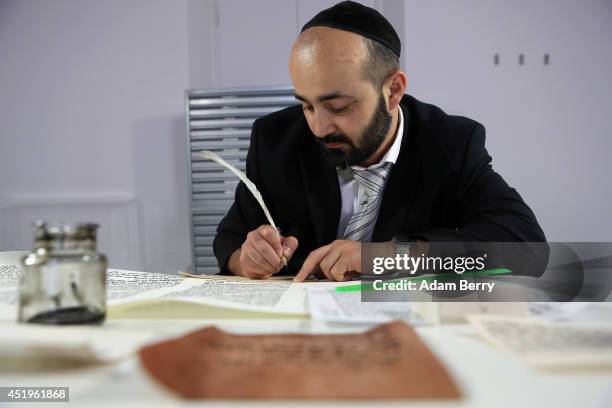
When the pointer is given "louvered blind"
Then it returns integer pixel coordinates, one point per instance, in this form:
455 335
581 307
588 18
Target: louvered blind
221 121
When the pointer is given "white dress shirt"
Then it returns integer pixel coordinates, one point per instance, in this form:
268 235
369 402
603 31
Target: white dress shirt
349 188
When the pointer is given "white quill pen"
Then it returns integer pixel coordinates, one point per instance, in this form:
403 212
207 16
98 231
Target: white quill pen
250 185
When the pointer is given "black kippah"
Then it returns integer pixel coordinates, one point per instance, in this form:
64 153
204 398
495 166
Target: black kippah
357 18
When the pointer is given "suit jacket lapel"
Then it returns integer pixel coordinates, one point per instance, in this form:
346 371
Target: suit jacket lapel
401 186
322 195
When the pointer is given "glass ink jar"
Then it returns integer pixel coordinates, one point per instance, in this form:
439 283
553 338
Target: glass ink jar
63 279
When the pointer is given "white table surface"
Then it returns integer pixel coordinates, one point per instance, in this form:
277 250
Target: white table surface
486 376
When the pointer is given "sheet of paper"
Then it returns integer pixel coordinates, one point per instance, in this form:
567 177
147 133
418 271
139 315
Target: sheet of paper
276 278
387 362
124 286
120 284
593 312
244 295
9 286
329 305
9 283
279 294
458 312
549 344
276 296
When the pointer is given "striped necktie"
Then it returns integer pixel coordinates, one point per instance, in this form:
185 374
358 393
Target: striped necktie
371 184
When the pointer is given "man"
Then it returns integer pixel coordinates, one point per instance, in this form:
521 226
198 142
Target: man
360 162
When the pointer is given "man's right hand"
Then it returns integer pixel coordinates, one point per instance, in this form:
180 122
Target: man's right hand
260 255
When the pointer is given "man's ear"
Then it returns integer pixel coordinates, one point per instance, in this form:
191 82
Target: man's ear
395 86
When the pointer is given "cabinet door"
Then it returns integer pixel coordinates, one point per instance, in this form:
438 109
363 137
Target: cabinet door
254 40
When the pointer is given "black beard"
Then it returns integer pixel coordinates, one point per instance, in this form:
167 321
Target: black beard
370 140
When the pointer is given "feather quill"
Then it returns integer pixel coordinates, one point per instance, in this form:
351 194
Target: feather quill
249 184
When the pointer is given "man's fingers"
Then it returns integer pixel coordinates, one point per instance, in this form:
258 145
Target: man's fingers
267 254
270 235
289 244
329 260
256 275
258 259
337 261
262 251
266 243
311 264
257 262
339 271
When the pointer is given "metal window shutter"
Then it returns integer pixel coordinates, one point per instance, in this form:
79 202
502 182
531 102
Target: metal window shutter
220 121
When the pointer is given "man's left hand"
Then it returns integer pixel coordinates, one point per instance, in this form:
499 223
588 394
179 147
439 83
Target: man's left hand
337 261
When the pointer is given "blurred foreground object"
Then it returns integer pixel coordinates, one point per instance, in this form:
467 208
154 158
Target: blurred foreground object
63 279
389 361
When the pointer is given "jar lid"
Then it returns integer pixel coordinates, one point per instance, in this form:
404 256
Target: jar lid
65 231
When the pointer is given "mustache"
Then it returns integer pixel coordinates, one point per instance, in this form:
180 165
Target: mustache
336 138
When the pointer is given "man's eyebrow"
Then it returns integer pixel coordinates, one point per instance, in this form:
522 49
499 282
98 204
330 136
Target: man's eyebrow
324 98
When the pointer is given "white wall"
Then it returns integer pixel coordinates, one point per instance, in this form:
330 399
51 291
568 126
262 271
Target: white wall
91 124
548 127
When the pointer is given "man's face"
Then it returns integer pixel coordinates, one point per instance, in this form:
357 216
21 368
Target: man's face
340 150
344 111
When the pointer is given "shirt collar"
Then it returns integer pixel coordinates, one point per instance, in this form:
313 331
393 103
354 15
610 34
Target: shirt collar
393 152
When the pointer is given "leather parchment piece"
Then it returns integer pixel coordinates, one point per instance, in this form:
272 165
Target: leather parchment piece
387 362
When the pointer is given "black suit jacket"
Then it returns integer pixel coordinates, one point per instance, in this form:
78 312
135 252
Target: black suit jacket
441 189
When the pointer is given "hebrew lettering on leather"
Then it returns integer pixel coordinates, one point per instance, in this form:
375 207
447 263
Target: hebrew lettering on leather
387 362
